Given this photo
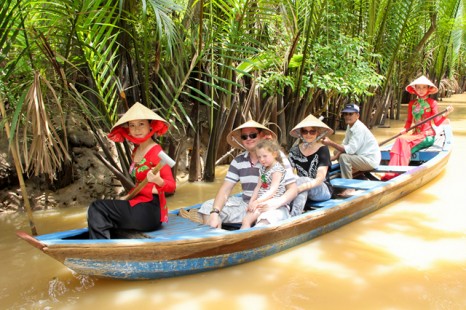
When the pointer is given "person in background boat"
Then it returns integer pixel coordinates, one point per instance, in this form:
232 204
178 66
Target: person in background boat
271 184
423 135
359 150
311 159
147 210
245 169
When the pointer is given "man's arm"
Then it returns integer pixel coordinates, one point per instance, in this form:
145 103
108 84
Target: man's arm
220 199
320 178
335 156
328 142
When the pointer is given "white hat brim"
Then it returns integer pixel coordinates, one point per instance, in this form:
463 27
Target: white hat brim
310 121
234 137
422 80
138 111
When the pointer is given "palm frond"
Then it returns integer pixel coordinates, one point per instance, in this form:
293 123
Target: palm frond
448 13
42 147
98 38
9 27
165 26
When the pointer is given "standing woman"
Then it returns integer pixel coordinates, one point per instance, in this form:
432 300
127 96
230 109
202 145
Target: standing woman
423 135
147 210
311 159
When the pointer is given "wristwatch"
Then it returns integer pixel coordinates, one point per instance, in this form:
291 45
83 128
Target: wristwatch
215 210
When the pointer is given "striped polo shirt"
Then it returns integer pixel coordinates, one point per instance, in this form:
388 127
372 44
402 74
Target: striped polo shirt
242 170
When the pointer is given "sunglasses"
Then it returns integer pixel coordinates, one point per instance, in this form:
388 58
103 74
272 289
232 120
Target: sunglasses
250 136
311 131
347 113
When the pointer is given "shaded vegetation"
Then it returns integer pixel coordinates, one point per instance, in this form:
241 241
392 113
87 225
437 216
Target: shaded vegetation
207 66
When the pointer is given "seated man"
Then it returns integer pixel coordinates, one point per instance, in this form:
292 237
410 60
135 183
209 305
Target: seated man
359 150
244 169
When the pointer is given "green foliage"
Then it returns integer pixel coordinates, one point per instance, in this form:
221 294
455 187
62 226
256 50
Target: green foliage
344 67
97 36
271 60
448 38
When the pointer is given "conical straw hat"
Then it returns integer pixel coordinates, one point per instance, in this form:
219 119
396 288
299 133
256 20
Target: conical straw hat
422 80
138 111
234 137
311 121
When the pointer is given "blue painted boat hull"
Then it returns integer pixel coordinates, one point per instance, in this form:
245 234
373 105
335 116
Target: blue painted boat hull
183 247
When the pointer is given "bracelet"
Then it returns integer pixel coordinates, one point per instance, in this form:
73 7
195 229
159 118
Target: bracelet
215 210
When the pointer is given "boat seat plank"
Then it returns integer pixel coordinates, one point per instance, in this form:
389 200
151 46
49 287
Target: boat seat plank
354 183
422 155
398 169
179 228
322 204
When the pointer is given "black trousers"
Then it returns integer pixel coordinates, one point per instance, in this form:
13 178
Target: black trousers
105 215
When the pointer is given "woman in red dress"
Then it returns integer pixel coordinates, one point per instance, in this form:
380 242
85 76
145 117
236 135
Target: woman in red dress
423 135
147 210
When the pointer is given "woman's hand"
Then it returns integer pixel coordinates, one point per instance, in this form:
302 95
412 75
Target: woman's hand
403 131
155 178
449 110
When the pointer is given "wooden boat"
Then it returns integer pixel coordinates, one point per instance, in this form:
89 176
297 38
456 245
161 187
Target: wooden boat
184 247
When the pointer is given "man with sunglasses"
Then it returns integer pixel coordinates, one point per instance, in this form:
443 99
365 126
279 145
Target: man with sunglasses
359 150
245 169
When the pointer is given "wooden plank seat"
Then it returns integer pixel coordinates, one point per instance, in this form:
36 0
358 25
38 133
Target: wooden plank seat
396 169
354 183
171 230
420 156
381 169
310 205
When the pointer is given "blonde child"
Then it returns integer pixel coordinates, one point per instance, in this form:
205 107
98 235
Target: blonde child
270 185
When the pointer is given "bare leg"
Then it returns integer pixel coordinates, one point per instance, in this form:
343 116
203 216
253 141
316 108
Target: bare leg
249 219
205 218
262 223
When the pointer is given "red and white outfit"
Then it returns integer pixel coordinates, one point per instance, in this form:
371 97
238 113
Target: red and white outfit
139 172
146 211
423 135
400 154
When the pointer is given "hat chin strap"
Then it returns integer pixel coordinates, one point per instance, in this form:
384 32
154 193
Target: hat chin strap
125 133
139 140
429 91
422 97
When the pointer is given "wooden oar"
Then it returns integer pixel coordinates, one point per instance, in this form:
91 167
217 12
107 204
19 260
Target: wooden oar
164 160
412 127
19 171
